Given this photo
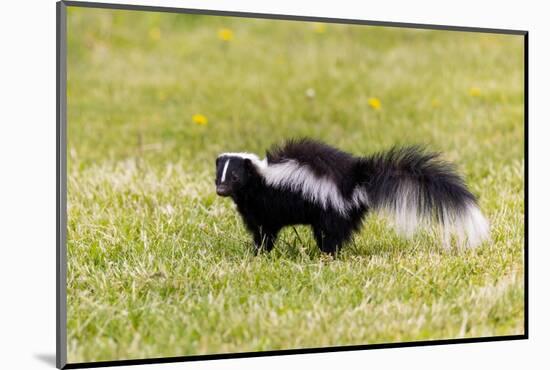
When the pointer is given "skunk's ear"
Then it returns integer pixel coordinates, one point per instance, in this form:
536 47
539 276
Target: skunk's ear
248 166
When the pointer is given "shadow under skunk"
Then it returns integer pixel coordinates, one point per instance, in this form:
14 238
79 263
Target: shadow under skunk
308 182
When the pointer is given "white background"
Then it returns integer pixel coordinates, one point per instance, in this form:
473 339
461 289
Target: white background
27 182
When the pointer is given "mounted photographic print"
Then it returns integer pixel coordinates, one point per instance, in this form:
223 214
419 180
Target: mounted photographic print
235 184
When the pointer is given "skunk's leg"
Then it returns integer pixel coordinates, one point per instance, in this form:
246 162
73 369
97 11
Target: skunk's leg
264 239
326 241
331 236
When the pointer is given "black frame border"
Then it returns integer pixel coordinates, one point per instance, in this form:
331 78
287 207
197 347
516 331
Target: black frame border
61 185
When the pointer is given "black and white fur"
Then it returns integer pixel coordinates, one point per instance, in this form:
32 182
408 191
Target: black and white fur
308 182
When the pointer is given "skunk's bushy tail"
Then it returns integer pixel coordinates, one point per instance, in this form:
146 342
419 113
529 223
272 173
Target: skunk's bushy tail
416 188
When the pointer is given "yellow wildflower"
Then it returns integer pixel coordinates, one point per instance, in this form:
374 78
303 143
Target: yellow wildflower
319 28
225 34
375 103
436 103
200 119
474 91
154 34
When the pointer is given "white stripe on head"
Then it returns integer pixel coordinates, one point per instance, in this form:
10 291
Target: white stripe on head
225 169
253 157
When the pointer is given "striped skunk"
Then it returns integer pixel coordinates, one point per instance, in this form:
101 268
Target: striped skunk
308 182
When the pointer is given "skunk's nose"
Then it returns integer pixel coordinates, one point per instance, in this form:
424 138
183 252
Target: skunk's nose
222 190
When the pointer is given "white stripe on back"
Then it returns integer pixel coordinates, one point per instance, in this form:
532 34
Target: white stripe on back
225 169
320 190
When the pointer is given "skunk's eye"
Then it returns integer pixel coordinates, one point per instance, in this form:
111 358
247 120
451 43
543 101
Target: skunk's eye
234 177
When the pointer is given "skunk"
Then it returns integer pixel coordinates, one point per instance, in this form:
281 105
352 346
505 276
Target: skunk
308 182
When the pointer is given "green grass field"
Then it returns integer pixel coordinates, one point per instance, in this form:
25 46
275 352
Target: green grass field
158 265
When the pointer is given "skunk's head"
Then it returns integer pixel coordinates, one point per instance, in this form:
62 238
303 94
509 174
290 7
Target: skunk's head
233 171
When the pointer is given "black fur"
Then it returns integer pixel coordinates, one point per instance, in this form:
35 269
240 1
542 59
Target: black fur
266 209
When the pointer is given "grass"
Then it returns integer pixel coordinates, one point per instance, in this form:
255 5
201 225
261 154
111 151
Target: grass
160 266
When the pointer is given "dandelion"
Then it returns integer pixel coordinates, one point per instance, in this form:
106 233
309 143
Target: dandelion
200 119
154 34
374 103
474 91
225 34
319 28
436 103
